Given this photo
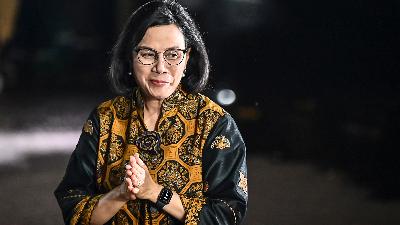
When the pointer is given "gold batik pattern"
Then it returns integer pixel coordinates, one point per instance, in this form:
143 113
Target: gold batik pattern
184 125
173 129
116 147
78 210
83 210
88 127
173 175
106 117
189 151
243 182
195 189
121 108
192 208
221 143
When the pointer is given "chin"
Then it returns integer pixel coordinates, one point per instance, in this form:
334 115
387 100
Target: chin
161 94
160 97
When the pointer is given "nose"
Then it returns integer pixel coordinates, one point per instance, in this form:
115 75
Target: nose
160 65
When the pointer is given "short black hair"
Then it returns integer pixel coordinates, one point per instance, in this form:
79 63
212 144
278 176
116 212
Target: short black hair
155 13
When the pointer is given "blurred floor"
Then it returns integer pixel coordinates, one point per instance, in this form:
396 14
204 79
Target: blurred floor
281 193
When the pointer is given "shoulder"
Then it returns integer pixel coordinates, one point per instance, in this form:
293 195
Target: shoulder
222 122
208 113
120 106
206 104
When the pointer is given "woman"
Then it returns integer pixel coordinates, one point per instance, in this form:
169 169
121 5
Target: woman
161 153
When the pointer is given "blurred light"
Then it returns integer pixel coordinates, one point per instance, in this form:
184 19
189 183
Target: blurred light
226 97
14 146
8 16
248 113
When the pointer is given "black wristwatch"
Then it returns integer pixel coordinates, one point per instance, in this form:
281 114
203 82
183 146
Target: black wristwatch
164 198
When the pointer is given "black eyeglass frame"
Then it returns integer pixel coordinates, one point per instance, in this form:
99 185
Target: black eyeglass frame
137 49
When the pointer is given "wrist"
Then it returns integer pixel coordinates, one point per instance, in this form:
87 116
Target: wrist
154 194
120 193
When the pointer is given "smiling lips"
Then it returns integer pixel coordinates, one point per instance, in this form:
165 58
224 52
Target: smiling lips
159 82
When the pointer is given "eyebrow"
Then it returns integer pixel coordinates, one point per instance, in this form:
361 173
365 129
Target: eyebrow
146 47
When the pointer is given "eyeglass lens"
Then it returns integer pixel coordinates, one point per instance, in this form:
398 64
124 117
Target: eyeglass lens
150 56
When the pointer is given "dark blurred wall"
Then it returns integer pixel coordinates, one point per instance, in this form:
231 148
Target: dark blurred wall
316 81
58 45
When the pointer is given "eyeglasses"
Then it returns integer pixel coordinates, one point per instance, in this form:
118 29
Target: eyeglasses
148 56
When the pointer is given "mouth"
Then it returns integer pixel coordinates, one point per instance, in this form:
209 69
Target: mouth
159 82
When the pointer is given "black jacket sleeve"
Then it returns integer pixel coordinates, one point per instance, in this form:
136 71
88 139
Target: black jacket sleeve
225 174
76 194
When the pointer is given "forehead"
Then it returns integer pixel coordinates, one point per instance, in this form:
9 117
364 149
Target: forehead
163 37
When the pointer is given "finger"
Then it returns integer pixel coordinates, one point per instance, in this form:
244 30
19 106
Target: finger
139 161
137 168
129 172
128 167
135 181
132 163
132 196
142 171
132 160
130 184
135 190
140 174
140 183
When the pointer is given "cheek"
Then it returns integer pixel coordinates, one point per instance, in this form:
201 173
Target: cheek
139 73
179 71
177 75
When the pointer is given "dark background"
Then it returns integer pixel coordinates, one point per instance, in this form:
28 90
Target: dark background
317 100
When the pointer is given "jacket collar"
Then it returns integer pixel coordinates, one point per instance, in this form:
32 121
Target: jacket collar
177 98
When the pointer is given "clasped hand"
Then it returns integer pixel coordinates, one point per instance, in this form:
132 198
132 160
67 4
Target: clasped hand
138 182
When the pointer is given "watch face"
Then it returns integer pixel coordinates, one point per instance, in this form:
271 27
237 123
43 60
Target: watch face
167 195
164 198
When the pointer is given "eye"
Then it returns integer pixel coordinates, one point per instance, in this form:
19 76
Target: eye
146 53
172 54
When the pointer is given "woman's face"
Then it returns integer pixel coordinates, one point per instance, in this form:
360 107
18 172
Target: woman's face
160 79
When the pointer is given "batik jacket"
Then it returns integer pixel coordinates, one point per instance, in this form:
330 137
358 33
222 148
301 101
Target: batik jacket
200 155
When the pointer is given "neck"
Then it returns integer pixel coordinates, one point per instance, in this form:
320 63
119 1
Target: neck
152 106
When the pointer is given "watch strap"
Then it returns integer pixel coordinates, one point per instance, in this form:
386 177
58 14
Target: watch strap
164 198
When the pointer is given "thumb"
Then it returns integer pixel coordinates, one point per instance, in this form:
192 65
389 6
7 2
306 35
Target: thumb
140 161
